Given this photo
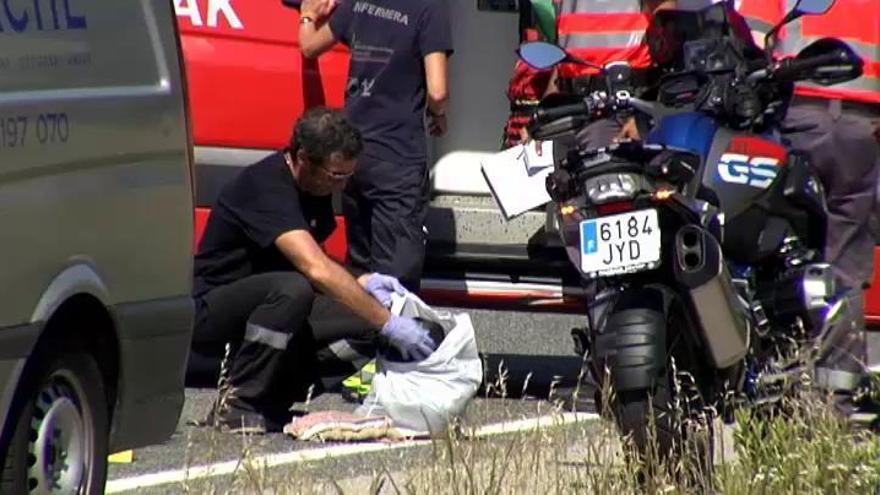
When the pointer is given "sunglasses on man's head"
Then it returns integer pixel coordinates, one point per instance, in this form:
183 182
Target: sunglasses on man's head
333 175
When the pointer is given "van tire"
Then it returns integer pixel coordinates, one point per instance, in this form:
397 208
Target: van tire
69 393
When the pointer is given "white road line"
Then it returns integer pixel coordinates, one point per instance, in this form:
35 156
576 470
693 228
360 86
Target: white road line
271 460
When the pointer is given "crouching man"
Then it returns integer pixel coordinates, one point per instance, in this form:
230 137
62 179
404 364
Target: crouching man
291 315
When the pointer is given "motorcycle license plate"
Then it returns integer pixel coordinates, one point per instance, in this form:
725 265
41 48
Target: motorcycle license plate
618 244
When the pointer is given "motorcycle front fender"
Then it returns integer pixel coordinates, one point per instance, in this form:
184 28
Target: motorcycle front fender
631 344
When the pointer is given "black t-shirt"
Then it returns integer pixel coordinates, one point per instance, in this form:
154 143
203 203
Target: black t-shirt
385 95
251 212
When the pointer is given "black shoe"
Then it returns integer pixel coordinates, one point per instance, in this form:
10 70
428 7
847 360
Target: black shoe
234 420
241 421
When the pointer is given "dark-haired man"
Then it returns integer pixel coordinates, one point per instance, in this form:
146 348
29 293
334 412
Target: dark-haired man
262 283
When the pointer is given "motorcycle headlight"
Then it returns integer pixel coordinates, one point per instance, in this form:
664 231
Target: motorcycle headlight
610 188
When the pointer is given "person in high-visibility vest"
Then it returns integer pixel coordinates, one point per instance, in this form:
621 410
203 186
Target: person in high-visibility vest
527 84
600 32
839 127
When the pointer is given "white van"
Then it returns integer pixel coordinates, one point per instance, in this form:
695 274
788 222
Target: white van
95 237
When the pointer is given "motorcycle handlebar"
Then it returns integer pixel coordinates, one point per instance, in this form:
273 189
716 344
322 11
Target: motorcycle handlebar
791 68
595 105
562 111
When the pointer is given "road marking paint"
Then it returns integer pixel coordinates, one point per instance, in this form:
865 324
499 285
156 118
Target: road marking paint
322 453
533 423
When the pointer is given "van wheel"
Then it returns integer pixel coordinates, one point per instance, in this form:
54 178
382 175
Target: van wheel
60 439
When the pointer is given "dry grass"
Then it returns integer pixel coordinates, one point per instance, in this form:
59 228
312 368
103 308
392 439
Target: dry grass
809 450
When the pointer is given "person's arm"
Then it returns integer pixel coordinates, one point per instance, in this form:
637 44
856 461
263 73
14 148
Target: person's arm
434 44
552 87
435 76
315 35
524 132
331 278
438 93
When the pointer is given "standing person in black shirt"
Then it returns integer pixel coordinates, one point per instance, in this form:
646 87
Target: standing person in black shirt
397 78
263 284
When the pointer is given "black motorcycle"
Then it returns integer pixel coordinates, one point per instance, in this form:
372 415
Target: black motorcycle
704 242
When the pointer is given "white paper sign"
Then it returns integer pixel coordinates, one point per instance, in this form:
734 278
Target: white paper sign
534 161
515 185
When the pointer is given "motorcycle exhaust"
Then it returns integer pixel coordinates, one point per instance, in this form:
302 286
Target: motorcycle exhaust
799 293
699 266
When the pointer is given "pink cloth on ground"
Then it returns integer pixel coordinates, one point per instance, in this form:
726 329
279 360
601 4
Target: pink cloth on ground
341 426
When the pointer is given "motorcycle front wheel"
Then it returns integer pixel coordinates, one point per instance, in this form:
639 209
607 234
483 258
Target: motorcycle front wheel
668 425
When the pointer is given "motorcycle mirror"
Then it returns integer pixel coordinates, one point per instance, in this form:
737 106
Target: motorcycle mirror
676 166
541 55
813 7
802 8
845 64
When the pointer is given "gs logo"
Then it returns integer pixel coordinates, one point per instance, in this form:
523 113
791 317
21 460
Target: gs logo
757 171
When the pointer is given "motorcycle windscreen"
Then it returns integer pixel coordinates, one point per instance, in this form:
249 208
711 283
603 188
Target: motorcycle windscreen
692 131
671 32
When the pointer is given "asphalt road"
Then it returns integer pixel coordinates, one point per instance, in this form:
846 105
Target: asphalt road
529 353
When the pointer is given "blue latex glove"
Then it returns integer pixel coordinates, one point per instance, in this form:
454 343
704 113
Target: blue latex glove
382 286
410 338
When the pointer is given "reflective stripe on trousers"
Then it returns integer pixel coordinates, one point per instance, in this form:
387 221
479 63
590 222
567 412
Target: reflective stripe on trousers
262 335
